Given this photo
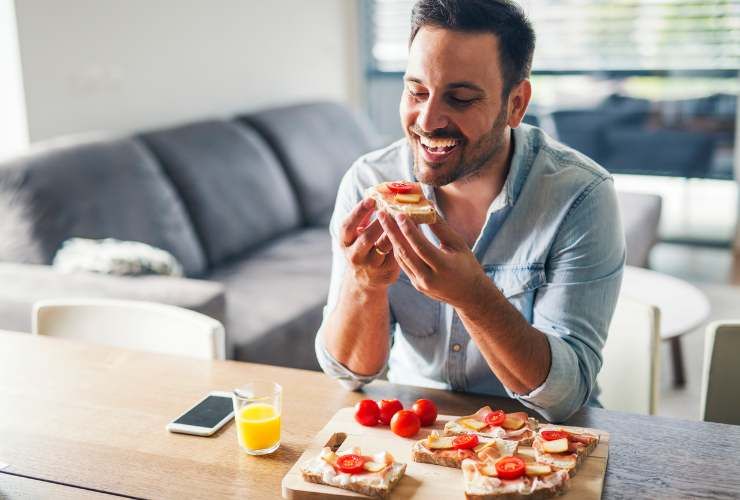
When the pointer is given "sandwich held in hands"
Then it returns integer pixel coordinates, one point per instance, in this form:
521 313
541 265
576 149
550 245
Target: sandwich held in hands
402 197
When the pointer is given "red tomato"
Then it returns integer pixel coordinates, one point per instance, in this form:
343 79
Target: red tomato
367 412
400 187
405 423
495 418
510 468
350 463
426 410
388 408
553 435
465 442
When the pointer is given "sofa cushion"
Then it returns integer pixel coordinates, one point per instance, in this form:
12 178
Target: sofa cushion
275 299
33 283
93 188
317 143
233 187
640 213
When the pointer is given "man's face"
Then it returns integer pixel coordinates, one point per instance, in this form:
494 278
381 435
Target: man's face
452 109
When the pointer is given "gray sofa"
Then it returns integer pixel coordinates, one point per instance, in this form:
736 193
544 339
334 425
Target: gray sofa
243 204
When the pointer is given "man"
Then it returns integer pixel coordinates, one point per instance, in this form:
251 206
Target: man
512 293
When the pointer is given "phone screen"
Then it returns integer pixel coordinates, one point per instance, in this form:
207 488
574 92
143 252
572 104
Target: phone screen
207 413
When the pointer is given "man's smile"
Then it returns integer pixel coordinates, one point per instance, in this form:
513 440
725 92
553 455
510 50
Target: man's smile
437 150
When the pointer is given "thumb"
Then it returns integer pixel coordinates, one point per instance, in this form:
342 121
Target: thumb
447 236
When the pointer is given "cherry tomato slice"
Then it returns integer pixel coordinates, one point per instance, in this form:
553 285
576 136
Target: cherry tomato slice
351 463
400 187
510 468
495 418
465 442
553 435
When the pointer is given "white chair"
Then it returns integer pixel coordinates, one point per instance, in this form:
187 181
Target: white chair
719 389
629 375
132 324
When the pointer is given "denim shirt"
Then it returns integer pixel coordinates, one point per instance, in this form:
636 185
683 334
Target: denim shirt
553 245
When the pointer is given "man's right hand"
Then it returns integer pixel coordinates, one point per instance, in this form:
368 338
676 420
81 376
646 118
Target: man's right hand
367 249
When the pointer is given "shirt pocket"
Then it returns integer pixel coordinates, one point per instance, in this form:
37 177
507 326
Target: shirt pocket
518 284
416 314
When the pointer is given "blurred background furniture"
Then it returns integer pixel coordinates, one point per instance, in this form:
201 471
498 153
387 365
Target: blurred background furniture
719 394
629 375
131 324
683 307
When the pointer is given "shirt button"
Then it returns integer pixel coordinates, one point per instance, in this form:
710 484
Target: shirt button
456 347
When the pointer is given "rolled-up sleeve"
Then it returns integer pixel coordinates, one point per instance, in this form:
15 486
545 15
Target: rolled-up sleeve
347 198
575 306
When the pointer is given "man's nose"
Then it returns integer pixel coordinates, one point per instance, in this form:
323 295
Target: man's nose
432 116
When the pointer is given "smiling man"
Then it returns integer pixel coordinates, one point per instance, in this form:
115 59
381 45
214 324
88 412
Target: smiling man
511 294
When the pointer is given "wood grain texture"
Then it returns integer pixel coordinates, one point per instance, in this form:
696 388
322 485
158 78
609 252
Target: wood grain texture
15 487
94 416
422 481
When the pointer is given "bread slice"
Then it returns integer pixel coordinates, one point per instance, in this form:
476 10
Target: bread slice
580 445
412 203
475 424
429 452
373 483
479 485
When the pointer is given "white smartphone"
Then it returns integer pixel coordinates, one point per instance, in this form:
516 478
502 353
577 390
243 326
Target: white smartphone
206 417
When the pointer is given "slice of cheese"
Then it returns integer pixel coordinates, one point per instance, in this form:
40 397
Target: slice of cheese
526 451
536 469
441 443
555 446
407 198
512 423
472 423
373 466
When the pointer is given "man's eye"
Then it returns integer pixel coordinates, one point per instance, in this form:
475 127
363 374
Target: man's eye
417 95
460 102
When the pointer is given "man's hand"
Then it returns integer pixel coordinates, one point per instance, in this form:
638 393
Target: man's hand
450 273
368 251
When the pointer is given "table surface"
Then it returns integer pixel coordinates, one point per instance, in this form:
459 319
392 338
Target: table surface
683 307
91 416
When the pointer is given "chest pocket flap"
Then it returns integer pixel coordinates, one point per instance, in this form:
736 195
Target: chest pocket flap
515 280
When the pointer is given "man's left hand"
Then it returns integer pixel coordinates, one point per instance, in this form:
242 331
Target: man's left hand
449 273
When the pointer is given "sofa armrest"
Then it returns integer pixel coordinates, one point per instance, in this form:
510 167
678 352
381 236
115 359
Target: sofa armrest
24 284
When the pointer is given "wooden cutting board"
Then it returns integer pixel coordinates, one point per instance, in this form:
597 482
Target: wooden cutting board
421 480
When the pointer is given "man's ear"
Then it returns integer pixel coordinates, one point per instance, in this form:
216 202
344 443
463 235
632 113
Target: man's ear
519 98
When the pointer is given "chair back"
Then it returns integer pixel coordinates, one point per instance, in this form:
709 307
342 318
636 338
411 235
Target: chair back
719 390
630 372
140 325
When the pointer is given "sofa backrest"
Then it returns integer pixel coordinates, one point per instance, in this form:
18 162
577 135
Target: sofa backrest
91 188
233 187
316 143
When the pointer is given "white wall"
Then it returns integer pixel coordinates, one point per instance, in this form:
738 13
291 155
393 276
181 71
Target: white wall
125 65
13 129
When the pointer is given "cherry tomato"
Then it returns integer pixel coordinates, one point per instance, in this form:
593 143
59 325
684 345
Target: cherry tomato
465 442
367 412
405 423
388 408
553 435
510 468
426 410
351 463
495 418
400 187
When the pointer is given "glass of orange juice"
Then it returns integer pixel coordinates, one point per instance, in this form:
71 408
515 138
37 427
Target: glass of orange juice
257 409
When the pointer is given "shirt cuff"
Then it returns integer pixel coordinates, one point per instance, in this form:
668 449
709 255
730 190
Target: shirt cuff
560 395
346 377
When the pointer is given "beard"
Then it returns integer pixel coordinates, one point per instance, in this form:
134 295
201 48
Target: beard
473 158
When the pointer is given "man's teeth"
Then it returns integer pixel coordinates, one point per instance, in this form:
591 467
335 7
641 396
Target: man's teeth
438 144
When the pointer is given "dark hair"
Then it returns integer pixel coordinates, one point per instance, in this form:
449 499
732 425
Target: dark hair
503 18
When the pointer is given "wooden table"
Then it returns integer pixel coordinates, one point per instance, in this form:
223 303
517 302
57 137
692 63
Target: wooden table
89 416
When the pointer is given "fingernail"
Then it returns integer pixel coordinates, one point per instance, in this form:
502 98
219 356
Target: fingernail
401 218
361 229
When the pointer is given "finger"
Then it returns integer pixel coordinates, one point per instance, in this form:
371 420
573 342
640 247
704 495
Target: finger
447 236
356 218
366 240
401 248
383 244
421 245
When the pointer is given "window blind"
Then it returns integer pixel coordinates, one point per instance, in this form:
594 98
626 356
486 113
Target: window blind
596 35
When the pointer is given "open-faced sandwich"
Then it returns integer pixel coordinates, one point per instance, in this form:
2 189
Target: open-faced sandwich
563 449
371 475
486 422
450 451
402 197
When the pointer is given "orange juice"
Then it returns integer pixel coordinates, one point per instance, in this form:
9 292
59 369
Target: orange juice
258 427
